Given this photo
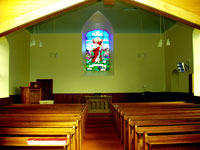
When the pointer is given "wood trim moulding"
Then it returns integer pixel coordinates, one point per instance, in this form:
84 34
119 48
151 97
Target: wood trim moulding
168 10
5 101
109 2
60 98
196 99
35 20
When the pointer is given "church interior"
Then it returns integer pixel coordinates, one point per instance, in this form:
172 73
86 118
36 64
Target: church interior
99 74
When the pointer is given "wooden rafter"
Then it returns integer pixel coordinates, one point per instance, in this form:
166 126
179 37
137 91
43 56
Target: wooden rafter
187 12
109 2
27 19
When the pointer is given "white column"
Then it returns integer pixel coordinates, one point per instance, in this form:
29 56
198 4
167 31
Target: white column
196 59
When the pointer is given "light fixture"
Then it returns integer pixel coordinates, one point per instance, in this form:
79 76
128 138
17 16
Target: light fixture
40 44
164 40
31 43
168 42
39 41
160 42
35 40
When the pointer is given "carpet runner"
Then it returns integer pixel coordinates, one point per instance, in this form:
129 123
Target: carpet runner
101 135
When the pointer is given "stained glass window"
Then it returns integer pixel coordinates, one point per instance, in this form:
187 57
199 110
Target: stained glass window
97 50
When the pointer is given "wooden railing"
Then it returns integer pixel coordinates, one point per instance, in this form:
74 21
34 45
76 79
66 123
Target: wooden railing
98 104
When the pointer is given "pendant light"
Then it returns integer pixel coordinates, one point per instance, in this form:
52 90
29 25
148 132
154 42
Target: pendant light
160 42
38 32
167 41
163 40
36 39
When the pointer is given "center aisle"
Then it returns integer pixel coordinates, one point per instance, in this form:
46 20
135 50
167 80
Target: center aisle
101 135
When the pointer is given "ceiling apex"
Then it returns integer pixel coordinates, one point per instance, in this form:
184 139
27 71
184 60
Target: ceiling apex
109 2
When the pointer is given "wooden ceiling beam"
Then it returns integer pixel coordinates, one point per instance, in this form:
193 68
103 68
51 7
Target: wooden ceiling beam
109 2
12 27
175 12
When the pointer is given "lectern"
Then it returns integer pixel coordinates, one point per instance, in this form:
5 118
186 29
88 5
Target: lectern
31 94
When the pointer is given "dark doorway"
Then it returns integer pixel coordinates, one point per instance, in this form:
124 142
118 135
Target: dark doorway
47 88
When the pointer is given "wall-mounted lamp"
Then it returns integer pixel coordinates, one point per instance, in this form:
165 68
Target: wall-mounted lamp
162 42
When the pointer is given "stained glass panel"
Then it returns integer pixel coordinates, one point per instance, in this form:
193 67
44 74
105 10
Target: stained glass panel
97 50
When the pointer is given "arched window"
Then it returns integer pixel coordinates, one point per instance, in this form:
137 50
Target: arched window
97 44
97 50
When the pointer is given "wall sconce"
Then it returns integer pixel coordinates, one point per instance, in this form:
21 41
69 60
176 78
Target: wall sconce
162 42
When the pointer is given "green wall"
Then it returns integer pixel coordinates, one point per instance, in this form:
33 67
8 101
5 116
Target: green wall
138 64
181 50
19 60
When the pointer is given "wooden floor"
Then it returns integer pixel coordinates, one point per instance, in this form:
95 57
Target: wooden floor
101 135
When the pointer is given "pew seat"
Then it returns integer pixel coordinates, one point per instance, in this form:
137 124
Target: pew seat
172 141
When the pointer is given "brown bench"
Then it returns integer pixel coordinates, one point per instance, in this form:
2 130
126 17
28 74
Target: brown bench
123 108
44 116
144 112
82 109
129 133
114 106
31 124
172 141
19 136
153 114
122 122
47 118
172 129
162 117
50 121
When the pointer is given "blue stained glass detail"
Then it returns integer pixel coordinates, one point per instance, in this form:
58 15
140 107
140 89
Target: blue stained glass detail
89 34
106 33
97 50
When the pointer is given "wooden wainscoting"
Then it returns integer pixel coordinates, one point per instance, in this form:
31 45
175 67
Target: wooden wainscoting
79 97
60 98
5 101
126 97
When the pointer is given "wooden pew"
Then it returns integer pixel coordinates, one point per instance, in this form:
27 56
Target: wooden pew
152 115
47 118
48 109
132 125
149 104
40 113
153 111
172 140
118 108
114 106
122 124
31 124
172 129
19 136
44 109
36 121
141 109
159 117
